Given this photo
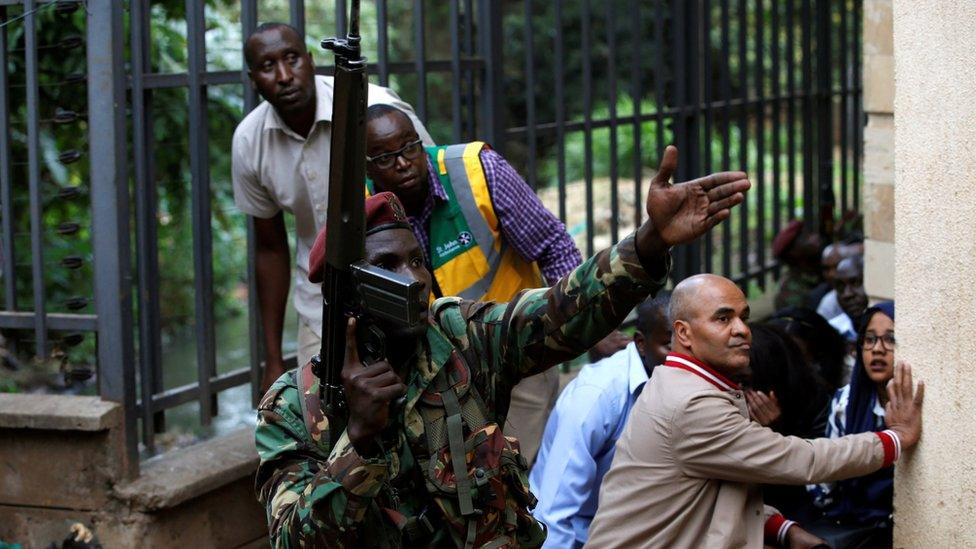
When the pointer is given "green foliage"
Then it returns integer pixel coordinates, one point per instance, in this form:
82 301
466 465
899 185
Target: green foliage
601 148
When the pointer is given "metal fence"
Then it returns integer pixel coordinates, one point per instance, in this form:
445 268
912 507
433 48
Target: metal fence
581 96
771 87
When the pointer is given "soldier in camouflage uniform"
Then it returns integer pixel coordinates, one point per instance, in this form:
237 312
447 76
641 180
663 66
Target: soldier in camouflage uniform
391 478
799 251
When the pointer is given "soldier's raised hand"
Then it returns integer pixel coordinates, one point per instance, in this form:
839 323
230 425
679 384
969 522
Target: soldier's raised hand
369 391
680 213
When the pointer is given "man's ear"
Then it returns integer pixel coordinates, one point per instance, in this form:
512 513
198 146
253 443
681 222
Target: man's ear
640 343
311 60
681 333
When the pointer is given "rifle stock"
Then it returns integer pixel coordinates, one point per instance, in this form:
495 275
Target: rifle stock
350 286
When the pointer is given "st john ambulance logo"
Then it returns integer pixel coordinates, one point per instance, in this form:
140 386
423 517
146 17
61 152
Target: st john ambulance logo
465 238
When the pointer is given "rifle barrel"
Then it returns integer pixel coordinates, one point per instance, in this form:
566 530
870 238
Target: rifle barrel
354 19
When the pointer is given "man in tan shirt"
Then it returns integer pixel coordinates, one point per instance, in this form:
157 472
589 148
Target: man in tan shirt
280 163
687 468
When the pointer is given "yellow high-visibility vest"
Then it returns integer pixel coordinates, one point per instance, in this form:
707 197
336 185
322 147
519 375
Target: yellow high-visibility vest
467 251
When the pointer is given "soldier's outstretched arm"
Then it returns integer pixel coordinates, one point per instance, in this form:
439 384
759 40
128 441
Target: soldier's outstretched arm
313 497
543 327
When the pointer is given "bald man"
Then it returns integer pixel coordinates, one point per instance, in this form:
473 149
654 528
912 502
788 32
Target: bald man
687 468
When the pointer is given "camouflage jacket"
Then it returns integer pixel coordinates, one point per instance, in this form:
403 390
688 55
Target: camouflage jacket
321 496
794 289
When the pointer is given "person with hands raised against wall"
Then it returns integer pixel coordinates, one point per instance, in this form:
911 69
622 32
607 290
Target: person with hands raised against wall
687 467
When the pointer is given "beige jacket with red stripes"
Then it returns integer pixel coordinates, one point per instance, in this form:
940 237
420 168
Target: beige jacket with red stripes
687 468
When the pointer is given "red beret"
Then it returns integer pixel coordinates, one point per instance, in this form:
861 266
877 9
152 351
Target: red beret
785 238
383 211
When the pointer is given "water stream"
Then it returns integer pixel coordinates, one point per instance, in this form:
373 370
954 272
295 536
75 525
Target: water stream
234 405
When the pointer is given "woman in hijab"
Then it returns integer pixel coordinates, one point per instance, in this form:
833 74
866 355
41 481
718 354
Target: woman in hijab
862 506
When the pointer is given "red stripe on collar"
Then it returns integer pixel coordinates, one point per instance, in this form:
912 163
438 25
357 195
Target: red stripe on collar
700 369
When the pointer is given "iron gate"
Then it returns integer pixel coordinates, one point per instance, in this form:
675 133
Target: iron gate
581 96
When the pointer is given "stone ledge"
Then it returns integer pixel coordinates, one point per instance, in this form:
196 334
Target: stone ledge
58 412
178 476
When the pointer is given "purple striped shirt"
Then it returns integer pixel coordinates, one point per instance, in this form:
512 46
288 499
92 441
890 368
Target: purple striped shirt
526 225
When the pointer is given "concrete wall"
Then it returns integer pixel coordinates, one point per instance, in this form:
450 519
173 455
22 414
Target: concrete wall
61 462
878 193
935 274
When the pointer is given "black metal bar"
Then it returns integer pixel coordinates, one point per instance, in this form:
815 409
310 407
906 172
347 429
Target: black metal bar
157 381
6 185
110 215
806 109
493 85
455 25
791 106
34 178
296 15
469 50
587 125
706 90
530 97
249 21
24 320
183 394
760 121
824 119
743 210
382 43
692 96
858 116
147 259
659 75
341 12
560 96
220 78
420 58
744 278
725 85
200 193
683 59
777 120
612 104
636 96
845 116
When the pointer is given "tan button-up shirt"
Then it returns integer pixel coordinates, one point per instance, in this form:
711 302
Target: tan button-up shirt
273 169
687 468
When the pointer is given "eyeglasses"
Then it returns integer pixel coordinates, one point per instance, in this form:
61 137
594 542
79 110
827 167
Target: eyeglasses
888 342
385 161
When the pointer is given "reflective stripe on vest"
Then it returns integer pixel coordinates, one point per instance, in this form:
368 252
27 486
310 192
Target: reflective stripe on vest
504 271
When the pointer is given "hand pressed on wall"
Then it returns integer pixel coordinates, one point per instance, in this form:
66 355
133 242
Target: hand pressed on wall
903 413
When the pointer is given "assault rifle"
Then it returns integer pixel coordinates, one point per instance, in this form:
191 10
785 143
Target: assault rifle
350 286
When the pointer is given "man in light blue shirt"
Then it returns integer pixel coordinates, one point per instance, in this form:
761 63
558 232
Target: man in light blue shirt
590 415
849 284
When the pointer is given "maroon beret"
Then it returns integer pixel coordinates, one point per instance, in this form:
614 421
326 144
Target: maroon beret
785 238
383 211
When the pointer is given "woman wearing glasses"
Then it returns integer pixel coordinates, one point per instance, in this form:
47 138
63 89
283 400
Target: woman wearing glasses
858 511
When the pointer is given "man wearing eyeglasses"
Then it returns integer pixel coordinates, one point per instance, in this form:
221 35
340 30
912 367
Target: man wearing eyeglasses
484 232
280 162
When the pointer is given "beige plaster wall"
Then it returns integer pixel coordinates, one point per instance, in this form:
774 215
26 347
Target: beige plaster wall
935 273
878 192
